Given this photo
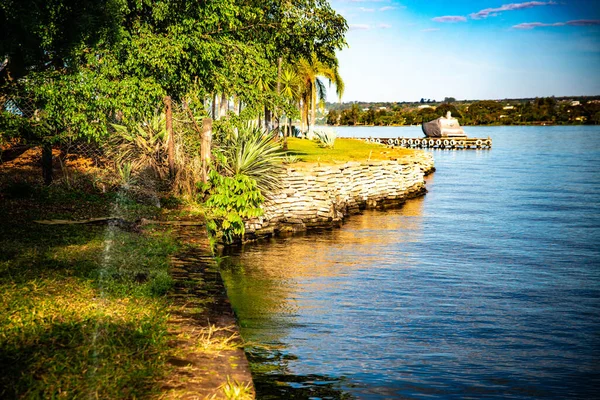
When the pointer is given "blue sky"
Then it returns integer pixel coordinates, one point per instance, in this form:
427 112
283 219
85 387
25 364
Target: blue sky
403 50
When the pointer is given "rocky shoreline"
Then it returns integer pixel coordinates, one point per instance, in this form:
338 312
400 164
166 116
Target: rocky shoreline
320 196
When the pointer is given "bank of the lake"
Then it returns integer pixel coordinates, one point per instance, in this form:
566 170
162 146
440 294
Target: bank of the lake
488 286
315 196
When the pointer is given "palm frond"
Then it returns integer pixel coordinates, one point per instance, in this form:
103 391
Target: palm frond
321 90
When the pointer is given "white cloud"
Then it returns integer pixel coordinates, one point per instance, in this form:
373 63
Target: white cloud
492 12
577 22
450 18
531 25
430 30
387 8
384 26
364 9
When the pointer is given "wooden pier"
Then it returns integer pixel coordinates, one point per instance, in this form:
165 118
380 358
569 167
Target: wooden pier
458 143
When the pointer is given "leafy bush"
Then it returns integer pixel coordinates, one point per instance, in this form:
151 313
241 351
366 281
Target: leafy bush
231 200
291 159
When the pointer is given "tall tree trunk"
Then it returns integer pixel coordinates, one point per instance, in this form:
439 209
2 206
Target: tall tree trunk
313 110
224 106
301 116
214 106
236 101
267 119
170 139
305 114
277 112
206 142
287 132
47 163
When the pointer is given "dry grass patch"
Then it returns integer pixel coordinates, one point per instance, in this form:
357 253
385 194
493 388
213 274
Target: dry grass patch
215 339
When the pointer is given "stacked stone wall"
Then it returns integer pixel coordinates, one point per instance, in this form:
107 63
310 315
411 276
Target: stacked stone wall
317 197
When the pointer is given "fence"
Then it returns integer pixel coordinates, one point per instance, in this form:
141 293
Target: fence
187 137
21 107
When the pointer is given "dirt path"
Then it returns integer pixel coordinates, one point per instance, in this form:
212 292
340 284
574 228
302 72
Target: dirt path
207 358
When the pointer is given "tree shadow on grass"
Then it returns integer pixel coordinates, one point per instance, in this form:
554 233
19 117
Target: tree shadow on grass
44 251
296 153
90 358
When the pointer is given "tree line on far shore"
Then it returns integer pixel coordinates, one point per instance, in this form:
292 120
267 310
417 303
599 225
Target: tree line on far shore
538 111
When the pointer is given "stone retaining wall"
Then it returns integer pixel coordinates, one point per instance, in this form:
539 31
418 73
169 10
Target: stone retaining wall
316 197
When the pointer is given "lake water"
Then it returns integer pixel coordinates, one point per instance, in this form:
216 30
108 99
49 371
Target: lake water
488 286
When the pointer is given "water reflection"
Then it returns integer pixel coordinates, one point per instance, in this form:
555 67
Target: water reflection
268 285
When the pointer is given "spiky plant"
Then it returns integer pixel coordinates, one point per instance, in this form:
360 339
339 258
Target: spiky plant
144 146
325 138
251 151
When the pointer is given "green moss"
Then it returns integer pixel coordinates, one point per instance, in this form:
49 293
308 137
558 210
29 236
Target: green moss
344 150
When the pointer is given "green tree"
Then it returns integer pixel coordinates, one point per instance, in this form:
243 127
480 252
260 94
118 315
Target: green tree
350 116
369 116
484 112
332 117
442 109
425 114
83 63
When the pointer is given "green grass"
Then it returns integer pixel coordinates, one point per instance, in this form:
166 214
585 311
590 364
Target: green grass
234 390
344 150
82 308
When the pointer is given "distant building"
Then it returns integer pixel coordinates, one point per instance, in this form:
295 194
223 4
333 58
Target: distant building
508 107
575 103
424 106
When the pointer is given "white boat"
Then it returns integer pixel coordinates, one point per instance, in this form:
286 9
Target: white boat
447 126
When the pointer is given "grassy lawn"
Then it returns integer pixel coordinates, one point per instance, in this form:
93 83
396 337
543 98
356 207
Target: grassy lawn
82 308
343 151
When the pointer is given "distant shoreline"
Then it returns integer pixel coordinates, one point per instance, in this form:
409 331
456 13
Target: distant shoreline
419 125
541 111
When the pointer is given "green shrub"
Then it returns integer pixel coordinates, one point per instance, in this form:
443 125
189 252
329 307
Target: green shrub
231 200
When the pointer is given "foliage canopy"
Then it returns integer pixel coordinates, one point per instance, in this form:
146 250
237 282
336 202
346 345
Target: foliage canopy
85 63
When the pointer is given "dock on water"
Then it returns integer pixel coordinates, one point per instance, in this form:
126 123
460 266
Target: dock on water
458 143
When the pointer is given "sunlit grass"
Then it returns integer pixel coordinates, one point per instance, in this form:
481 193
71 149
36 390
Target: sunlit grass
344 150
234 390
215 339
82 312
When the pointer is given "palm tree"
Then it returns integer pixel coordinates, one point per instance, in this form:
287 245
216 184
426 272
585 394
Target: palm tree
264 85
290 88
314 88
